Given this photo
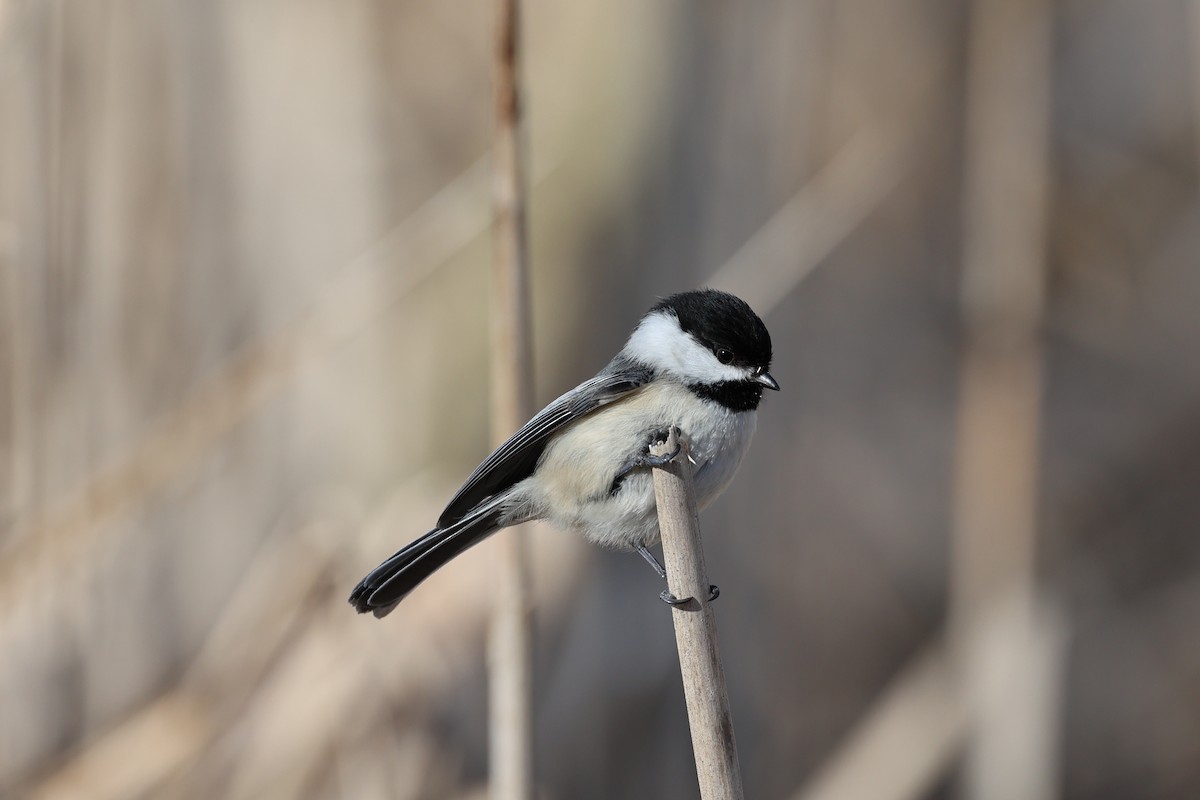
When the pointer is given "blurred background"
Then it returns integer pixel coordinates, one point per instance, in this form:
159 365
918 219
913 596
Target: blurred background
244 267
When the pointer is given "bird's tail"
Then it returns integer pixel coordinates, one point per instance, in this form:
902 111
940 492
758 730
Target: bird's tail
392 580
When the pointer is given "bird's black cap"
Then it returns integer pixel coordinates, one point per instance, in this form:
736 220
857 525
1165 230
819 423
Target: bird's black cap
718 319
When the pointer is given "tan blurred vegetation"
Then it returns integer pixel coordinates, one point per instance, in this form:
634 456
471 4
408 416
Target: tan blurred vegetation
243 282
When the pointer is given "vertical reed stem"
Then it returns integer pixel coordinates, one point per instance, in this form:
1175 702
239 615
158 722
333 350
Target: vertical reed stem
713 744
510 651
1003 628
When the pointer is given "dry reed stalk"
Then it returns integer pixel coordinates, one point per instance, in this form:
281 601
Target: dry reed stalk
78 524
713 745
132 759
510 654
905 742
264 618
266 660
17 429
822 214
1194 11
994 603
18 363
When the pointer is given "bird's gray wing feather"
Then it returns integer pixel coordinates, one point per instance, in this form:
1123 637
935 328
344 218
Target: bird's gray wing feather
516 459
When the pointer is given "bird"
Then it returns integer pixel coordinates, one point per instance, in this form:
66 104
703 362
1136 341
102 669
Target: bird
697 362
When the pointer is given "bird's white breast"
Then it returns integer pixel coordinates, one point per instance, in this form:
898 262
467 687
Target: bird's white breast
573 482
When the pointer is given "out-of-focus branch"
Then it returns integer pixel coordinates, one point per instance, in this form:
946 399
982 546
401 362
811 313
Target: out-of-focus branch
260 621
510 657
16 431
278 653
75 526
717 767
995 608
906 741
817 218
1194 9
135 756
998 433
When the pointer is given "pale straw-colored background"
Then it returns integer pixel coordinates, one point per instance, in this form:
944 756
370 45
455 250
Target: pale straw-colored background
243 286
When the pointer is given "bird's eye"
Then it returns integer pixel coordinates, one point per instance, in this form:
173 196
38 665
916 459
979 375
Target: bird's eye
724 355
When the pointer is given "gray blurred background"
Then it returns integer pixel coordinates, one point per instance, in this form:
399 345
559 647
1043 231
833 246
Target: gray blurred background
243 294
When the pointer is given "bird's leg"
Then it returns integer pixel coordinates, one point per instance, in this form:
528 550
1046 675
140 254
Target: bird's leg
666 595
652 561
714 591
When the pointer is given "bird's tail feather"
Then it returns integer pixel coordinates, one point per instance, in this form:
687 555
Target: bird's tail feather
392 580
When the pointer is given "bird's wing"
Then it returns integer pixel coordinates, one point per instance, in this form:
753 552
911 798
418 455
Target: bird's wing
516 459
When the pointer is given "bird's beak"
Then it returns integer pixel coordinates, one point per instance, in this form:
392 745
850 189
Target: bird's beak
766 380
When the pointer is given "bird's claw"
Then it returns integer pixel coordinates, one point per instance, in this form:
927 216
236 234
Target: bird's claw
649 460
646 459
714 592
671 599
662 437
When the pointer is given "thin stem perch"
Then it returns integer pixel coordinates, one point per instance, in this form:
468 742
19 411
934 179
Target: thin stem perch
713 743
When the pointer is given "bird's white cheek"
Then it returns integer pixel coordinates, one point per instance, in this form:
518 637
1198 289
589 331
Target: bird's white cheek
697 364
660 342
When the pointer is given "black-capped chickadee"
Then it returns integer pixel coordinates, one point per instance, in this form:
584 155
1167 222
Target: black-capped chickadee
697 361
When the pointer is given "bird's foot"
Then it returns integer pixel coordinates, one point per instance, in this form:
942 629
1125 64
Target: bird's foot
671 599
646 459
714 592
661 437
